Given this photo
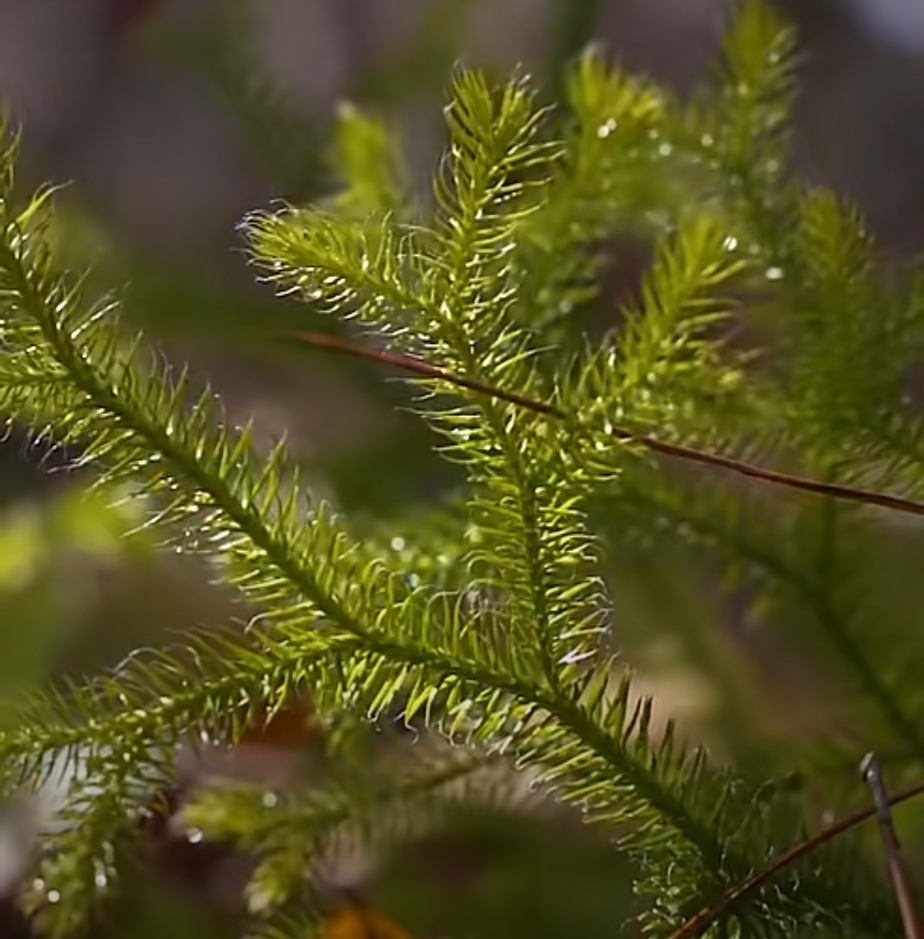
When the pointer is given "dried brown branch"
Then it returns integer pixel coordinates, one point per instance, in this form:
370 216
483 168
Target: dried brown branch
701 921
872 774
676 450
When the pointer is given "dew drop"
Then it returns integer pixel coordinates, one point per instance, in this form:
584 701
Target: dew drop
774 273
270 800
194 836
706 140
607 128
397 543
53 896
665 149
101 880
730 243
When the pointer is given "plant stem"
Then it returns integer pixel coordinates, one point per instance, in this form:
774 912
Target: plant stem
676 450
872 773
701 921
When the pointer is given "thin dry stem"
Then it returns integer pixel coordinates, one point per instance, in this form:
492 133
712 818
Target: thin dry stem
676 450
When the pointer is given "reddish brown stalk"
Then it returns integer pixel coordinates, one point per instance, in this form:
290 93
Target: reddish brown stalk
679 451
701 921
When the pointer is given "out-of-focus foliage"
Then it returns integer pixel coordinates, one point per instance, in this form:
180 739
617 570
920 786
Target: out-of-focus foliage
48 551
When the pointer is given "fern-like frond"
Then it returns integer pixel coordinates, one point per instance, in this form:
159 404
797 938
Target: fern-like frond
374 179
609 180
503 643
463 286
667 370
746 123
357 638
372 270
533 557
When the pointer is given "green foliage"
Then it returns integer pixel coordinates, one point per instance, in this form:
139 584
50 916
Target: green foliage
496 622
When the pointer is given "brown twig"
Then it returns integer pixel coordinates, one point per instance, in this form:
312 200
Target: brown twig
701 921
872 774
679 451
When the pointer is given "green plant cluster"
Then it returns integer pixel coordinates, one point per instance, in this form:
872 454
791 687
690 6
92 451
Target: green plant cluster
765 327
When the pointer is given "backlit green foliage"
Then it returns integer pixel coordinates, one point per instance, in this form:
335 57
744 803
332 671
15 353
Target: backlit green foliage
500 625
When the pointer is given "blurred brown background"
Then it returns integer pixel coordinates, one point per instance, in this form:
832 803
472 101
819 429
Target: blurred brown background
159 157
114 98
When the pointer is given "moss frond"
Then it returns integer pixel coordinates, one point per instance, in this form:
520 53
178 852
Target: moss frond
506 641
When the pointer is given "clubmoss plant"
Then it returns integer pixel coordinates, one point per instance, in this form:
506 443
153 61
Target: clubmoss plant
764 330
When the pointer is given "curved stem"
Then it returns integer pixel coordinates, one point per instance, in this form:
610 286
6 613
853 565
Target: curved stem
650 442
701 921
